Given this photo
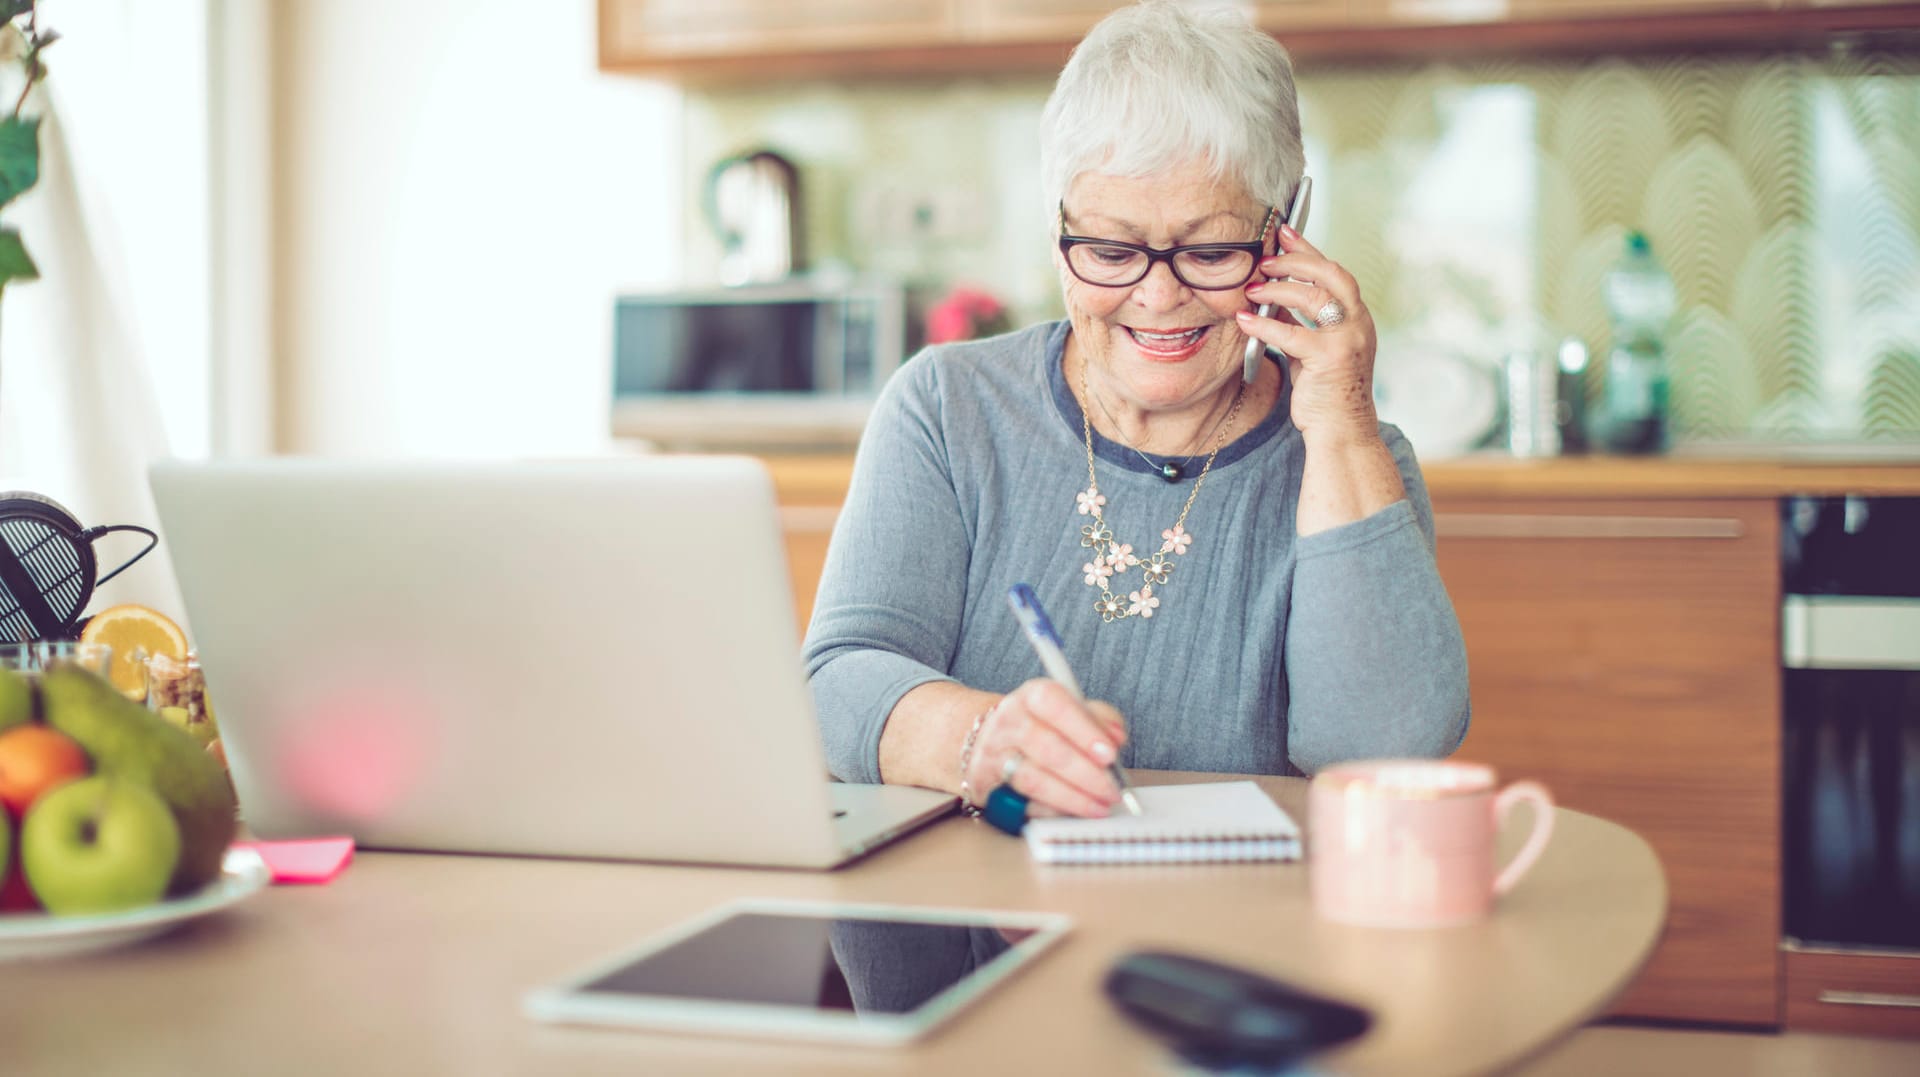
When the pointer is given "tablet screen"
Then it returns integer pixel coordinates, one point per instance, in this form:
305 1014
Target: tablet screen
891 971
819 962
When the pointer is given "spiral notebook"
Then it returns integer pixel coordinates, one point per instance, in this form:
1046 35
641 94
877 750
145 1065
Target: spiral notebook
1178 824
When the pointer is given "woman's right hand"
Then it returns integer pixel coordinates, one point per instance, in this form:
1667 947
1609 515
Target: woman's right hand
1062 746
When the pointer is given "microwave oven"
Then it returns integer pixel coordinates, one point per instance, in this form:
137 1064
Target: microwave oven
797 361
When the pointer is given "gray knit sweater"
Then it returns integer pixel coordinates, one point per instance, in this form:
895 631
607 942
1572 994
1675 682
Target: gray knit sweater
1270 653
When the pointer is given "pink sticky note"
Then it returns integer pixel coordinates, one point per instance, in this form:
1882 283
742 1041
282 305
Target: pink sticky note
307 860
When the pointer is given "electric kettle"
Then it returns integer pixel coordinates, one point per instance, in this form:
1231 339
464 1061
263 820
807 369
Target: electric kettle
753 204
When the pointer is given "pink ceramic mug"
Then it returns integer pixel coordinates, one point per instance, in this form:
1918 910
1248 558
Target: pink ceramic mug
1410 842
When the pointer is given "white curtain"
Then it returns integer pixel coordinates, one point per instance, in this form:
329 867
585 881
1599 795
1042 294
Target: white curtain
79 418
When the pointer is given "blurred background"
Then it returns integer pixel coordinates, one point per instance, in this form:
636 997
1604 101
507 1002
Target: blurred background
342 226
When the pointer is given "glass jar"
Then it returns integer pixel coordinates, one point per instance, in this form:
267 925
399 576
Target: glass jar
32 657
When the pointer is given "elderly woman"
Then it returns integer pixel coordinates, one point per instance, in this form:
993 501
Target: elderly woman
1242 572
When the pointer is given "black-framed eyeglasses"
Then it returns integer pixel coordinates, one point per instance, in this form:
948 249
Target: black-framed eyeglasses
1206 267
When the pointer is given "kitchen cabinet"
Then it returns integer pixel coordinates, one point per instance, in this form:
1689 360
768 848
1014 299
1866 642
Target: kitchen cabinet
1034 20
1454 12
1069 20
670 28
806 528
1626 654
1852 994
743 38
1418 29
810 491
755 40
1286 14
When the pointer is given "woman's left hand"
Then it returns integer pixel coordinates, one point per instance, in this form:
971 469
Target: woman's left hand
1331 367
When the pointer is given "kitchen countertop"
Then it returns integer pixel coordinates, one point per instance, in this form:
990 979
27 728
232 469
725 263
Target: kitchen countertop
822 477
1689 476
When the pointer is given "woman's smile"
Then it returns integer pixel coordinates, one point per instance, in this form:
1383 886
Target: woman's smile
1168 345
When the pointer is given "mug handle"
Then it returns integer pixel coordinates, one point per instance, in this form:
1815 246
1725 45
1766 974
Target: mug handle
1542 802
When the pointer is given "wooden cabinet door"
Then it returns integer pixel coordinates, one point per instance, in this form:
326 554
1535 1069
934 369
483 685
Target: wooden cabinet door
1626 654
806 527
1280 16
1034 20
638 32
811 490
1454 12
1069 20
1908 4
746 41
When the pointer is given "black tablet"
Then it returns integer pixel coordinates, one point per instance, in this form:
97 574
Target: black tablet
875 974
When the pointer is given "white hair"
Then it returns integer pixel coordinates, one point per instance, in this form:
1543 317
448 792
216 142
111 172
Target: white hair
1159 84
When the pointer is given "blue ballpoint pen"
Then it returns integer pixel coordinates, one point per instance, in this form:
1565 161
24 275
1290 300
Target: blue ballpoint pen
1046 643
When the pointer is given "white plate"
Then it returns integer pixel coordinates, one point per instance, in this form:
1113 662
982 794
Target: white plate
30 935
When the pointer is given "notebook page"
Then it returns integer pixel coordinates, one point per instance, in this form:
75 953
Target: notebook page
1177 813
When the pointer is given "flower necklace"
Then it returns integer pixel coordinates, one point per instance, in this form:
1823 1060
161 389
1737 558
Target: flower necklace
1112 558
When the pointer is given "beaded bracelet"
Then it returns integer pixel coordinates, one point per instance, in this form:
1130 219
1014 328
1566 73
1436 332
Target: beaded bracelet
966 761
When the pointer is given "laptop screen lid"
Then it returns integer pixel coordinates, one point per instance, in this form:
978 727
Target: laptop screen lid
593 658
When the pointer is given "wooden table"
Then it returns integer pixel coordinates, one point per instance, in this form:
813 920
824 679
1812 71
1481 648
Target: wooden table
416 964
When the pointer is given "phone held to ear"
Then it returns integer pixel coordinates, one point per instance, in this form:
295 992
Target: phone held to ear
1296 220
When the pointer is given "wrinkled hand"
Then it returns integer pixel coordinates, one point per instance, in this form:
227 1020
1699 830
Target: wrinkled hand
1063 746
1331 368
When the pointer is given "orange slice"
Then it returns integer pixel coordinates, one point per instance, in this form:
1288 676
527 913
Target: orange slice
135 633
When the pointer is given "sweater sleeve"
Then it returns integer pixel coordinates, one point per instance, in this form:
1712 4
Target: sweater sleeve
892 594
1376 665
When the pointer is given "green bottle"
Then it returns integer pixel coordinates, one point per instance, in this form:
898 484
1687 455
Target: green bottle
1640 302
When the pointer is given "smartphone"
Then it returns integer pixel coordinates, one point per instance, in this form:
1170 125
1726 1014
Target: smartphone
1297 220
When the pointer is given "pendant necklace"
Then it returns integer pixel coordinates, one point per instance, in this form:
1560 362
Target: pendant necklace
1168 470
1111 558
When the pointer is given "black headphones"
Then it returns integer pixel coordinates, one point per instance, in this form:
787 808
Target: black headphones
47 567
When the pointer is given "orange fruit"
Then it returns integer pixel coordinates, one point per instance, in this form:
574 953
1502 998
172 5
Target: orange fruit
34 759
135 633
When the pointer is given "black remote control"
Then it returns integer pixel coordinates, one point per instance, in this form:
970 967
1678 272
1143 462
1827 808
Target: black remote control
1221 1016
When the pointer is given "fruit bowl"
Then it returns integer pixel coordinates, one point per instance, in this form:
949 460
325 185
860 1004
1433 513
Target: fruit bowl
33 935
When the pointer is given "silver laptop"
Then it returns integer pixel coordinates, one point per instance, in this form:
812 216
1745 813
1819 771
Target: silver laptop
589 659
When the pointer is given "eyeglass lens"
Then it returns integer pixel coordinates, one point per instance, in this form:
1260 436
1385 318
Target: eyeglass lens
1100 263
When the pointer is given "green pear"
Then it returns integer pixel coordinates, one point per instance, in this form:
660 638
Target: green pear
99 845
126 740
16 700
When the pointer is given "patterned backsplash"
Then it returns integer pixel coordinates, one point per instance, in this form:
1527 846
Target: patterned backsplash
1479 203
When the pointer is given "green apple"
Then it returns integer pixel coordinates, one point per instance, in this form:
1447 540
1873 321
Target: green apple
98 845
